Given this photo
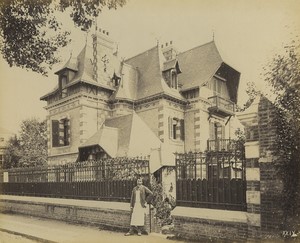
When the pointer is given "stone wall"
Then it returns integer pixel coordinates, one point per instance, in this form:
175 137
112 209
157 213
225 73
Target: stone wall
110 215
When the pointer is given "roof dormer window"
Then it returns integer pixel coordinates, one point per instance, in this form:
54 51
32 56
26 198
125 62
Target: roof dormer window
171 79
63 81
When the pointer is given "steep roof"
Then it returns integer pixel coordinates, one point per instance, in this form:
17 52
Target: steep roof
198 65
70 64
127 90
149 65
124 132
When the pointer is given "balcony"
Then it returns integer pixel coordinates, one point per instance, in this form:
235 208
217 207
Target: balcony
220 145
220 106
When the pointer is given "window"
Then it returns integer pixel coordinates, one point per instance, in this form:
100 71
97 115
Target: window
170 77
174 82
219 87
62 85
176 128
60 132
191 94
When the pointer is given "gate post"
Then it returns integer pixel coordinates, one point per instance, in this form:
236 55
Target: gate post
249 119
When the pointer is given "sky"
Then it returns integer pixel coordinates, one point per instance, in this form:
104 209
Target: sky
247 33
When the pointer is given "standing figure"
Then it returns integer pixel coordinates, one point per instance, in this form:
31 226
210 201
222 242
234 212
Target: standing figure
139 195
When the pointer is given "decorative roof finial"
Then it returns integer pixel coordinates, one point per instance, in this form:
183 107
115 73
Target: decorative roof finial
213 35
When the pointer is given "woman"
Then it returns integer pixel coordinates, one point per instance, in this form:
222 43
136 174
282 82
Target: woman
138 207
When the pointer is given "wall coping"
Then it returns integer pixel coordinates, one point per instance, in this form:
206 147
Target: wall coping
211 214
69 202
251 143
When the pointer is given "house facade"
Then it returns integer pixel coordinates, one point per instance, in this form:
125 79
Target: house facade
159 100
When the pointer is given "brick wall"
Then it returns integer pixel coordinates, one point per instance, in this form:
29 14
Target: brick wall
272 217
197 229
204 224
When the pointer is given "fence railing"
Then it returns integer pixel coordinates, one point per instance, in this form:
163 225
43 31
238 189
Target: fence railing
211 180
109 179
115 190
106 169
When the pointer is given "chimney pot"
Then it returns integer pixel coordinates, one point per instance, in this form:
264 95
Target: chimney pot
171 42
107 33
103 31
162 46
167 44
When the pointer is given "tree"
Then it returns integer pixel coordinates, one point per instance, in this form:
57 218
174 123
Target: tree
252 92
30 149
283 74
31 34
12 153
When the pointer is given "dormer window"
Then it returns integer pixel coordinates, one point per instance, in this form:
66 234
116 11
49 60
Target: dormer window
170 77
63 80
174 81
170 73
116 80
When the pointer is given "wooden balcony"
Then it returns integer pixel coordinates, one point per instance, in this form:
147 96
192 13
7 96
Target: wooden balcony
220 106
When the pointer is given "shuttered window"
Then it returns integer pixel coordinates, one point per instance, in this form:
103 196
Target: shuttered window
55 133
182 134
60 133
176 128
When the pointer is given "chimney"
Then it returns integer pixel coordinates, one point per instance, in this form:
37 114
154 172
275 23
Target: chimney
169 51
102 46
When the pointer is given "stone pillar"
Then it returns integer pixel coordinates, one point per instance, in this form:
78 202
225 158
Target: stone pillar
272 218
249 119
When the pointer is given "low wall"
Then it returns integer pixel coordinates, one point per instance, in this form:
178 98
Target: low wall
113 215
200 223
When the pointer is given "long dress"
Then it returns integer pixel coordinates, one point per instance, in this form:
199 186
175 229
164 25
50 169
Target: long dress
138 213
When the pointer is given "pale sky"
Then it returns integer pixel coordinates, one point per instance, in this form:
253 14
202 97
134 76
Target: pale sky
247 34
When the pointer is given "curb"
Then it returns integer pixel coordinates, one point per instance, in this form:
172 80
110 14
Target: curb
30 237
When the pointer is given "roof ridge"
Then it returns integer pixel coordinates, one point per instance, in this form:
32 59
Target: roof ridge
139 54
200 46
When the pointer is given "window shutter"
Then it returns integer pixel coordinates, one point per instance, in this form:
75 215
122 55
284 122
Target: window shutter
61 133
68 132
55 133
223 132
182 134
212 131
170 123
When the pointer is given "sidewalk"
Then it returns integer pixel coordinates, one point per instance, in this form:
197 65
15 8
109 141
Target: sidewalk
50 231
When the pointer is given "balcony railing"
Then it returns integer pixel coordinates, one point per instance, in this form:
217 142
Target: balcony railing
221 106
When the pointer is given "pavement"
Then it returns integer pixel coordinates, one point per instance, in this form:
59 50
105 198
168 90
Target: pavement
51 231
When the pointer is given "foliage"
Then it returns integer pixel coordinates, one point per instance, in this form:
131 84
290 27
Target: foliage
161 203
283 74
30 148
12 153
252 92
31 34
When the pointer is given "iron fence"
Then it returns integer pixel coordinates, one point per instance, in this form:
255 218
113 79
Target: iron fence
109 179
211 180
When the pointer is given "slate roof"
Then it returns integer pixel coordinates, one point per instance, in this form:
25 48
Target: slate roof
141 75
129 141
70 64
149 65
127 90
198 65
